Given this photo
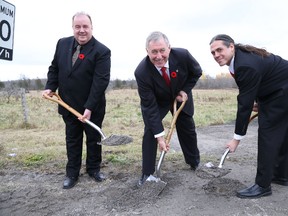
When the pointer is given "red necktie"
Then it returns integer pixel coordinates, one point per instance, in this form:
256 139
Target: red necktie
165 76
232 74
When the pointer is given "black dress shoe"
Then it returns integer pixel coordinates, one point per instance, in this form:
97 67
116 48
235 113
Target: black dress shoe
280 181
69 182
97 176
142 180
194 167
255 191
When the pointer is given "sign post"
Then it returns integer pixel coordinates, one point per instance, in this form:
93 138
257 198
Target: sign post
7 20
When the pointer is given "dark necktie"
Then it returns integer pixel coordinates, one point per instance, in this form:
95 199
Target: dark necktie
76 54
165 76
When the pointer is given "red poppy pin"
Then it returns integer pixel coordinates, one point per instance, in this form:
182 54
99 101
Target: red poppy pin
81 56
173 74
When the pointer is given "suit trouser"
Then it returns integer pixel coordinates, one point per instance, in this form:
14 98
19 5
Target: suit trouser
272 141
74 146
187 138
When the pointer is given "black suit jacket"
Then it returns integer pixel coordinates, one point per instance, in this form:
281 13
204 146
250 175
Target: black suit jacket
83 85
156 97
259 79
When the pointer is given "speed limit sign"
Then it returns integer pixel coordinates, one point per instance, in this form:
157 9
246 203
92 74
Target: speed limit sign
7 20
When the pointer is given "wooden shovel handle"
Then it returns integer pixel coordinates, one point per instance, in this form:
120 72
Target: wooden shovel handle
56 98
169 135
174 119
253 116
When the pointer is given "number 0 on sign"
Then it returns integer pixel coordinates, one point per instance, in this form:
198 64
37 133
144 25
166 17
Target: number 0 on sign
7 20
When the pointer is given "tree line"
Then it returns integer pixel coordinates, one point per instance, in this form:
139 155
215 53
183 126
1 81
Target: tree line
10 88
38 84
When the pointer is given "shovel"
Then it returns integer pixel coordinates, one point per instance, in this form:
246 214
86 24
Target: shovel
227 150
150 187
169 135
217 171
110 141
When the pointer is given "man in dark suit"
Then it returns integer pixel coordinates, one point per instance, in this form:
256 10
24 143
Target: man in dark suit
157 97
82 86
262 78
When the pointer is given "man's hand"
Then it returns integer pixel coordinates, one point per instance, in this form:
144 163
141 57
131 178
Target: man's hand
48 92
182 96
86 115
232 145
255 107
163 146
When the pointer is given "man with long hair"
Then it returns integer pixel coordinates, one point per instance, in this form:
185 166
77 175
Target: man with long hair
262 79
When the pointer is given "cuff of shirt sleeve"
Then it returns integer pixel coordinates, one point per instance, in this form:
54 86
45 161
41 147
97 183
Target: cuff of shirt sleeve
160 134
238 137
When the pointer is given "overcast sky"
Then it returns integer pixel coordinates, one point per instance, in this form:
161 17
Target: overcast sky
124 25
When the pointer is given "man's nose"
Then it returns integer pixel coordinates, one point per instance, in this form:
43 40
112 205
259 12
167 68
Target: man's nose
216 54
158 55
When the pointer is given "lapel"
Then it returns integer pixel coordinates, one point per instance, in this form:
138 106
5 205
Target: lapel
69 56
85 50
158 78
173 70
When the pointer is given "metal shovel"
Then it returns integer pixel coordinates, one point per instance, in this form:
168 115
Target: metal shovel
227 150
217 171
223 158
150 187
110 141
169 135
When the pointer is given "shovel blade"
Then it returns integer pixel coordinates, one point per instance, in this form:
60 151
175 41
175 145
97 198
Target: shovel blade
152 188
208 172
115 140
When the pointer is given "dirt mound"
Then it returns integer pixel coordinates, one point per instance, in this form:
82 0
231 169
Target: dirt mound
211 172
223 187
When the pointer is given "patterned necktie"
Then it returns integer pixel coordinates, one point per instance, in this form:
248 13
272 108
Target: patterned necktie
165 76
76 54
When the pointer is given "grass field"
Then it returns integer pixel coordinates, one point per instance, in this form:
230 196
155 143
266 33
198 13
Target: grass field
40 144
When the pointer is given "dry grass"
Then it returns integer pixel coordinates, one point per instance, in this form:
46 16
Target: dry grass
214 107
41 143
